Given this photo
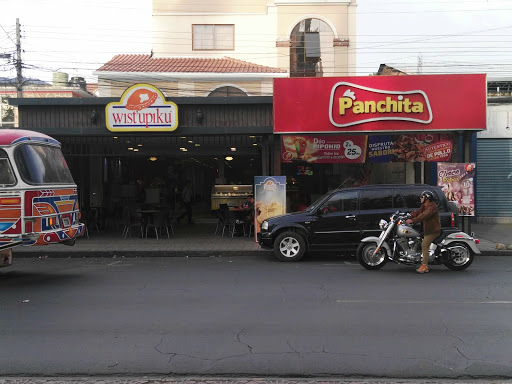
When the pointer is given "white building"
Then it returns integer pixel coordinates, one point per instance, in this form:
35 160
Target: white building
236 47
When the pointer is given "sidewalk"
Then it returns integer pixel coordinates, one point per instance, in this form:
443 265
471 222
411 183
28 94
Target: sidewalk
200 240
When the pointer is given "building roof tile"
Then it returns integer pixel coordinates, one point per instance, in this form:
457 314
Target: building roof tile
146 63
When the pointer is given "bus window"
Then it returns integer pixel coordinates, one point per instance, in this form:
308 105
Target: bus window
41 164
6 173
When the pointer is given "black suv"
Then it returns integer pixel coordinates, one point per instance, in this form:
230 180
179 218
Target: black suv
341 218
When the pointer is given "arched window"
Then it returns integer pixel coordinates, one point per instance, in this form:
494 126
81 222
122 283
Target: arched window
309 48
226 92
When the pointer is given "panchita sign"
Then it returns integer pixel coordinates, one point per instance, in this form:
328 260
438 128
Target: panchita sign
358 105
379 104
142 108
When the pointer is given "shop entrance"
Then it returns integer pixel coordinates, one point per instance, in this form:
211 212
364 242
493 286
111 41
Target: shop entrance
152 170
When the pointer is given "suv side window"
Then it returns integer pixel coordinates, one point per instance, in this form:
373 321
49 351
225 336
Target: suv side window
441 200
340 202
412 197
381 199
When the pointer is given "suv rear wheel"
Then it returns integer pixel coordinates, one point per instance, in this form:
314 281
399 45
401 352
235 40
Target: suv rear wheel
289 246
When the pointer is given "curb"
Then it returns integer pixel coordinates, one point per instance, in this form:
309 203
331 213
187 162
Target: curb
133 254
196 253
496 253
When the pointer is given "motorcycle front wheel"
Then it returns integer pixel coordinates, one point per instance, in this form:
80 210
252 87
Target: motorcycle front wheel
462 256
367 257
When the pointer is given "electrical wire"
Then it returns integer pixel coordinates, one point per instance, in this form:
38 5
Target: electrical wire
388 50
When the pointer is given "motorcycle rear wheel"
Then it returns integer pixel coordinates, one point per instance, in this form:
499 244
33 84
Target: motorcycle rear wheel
367 257
463 257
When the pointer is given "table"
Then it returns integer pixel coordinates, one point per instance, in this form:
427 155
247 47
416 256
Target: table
146 216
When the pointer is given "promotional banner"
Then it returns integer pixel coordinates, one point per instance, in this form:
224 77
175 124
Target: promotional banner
380 104
269 198
323 149
410 148
456 179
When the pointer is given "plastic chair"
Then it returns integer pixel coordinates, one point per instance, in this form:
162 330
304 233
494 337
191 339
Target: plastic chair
229 222
223 208
170 220
90 221
159 222
251 228
130 220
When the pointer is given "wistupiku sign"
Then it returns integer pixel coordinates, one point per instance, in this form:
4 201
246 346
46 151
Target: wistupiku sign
142 108
380 104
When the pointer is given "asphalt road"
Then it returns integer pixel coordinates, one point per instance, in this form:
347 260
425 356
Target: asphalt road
254 316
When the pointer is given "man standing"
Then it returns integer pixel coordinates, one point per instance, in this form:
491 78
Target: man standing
186 196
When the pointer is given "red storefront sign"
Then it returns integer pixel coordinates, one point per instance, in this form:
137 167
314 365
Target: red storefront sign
380 104
323 149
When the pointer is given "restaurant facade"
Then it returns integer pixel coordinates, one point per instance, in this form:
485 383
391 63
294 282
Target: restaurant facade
322 133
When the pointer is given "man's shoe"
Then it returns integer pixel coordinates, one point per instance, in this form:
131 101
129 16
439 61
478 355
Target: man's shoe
422 269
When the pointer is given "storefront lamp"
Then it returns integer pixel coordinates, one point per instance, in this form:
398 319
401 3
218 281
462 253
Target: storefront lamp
153 158
199 116
94 116
229 158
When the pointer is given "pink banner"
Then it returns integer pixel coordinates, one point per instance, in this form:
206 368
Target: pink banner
456 179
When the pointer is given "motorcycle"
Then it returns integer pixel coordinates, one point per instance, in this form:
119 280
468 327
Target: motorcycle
401 243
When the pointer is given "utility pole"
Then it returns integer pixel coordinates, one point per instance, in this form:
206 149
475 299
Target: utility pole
19 83
419 68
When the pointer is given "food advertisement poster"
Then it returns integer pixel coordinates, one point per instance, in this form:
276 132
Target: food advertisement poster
324 149
269 198
456 180
410 148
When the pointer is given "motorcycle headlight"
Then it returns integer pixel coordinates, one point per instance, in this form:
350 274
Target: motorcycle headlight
382 224
264 225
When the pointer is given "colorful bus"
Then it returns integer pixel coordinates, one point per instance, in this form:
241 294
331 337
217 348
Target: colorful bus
38 197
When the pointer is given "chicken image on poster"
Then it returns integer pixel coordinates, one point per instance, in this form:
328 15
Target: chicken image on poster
269 198
299 148
427 147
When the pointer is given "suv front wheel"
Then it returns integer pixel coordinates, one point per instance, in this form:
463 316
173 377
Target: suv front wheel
289 246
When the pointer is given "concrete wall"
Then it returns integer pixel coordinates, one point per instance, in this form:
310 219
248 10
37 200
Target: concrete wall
188 87
258 25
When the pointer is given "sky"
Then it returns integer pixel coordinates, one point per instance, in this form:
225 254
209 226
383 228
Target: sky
418 36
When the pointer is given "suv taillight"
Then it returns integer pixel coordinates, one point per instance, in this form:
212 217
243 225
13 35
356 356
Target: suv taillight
453 220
